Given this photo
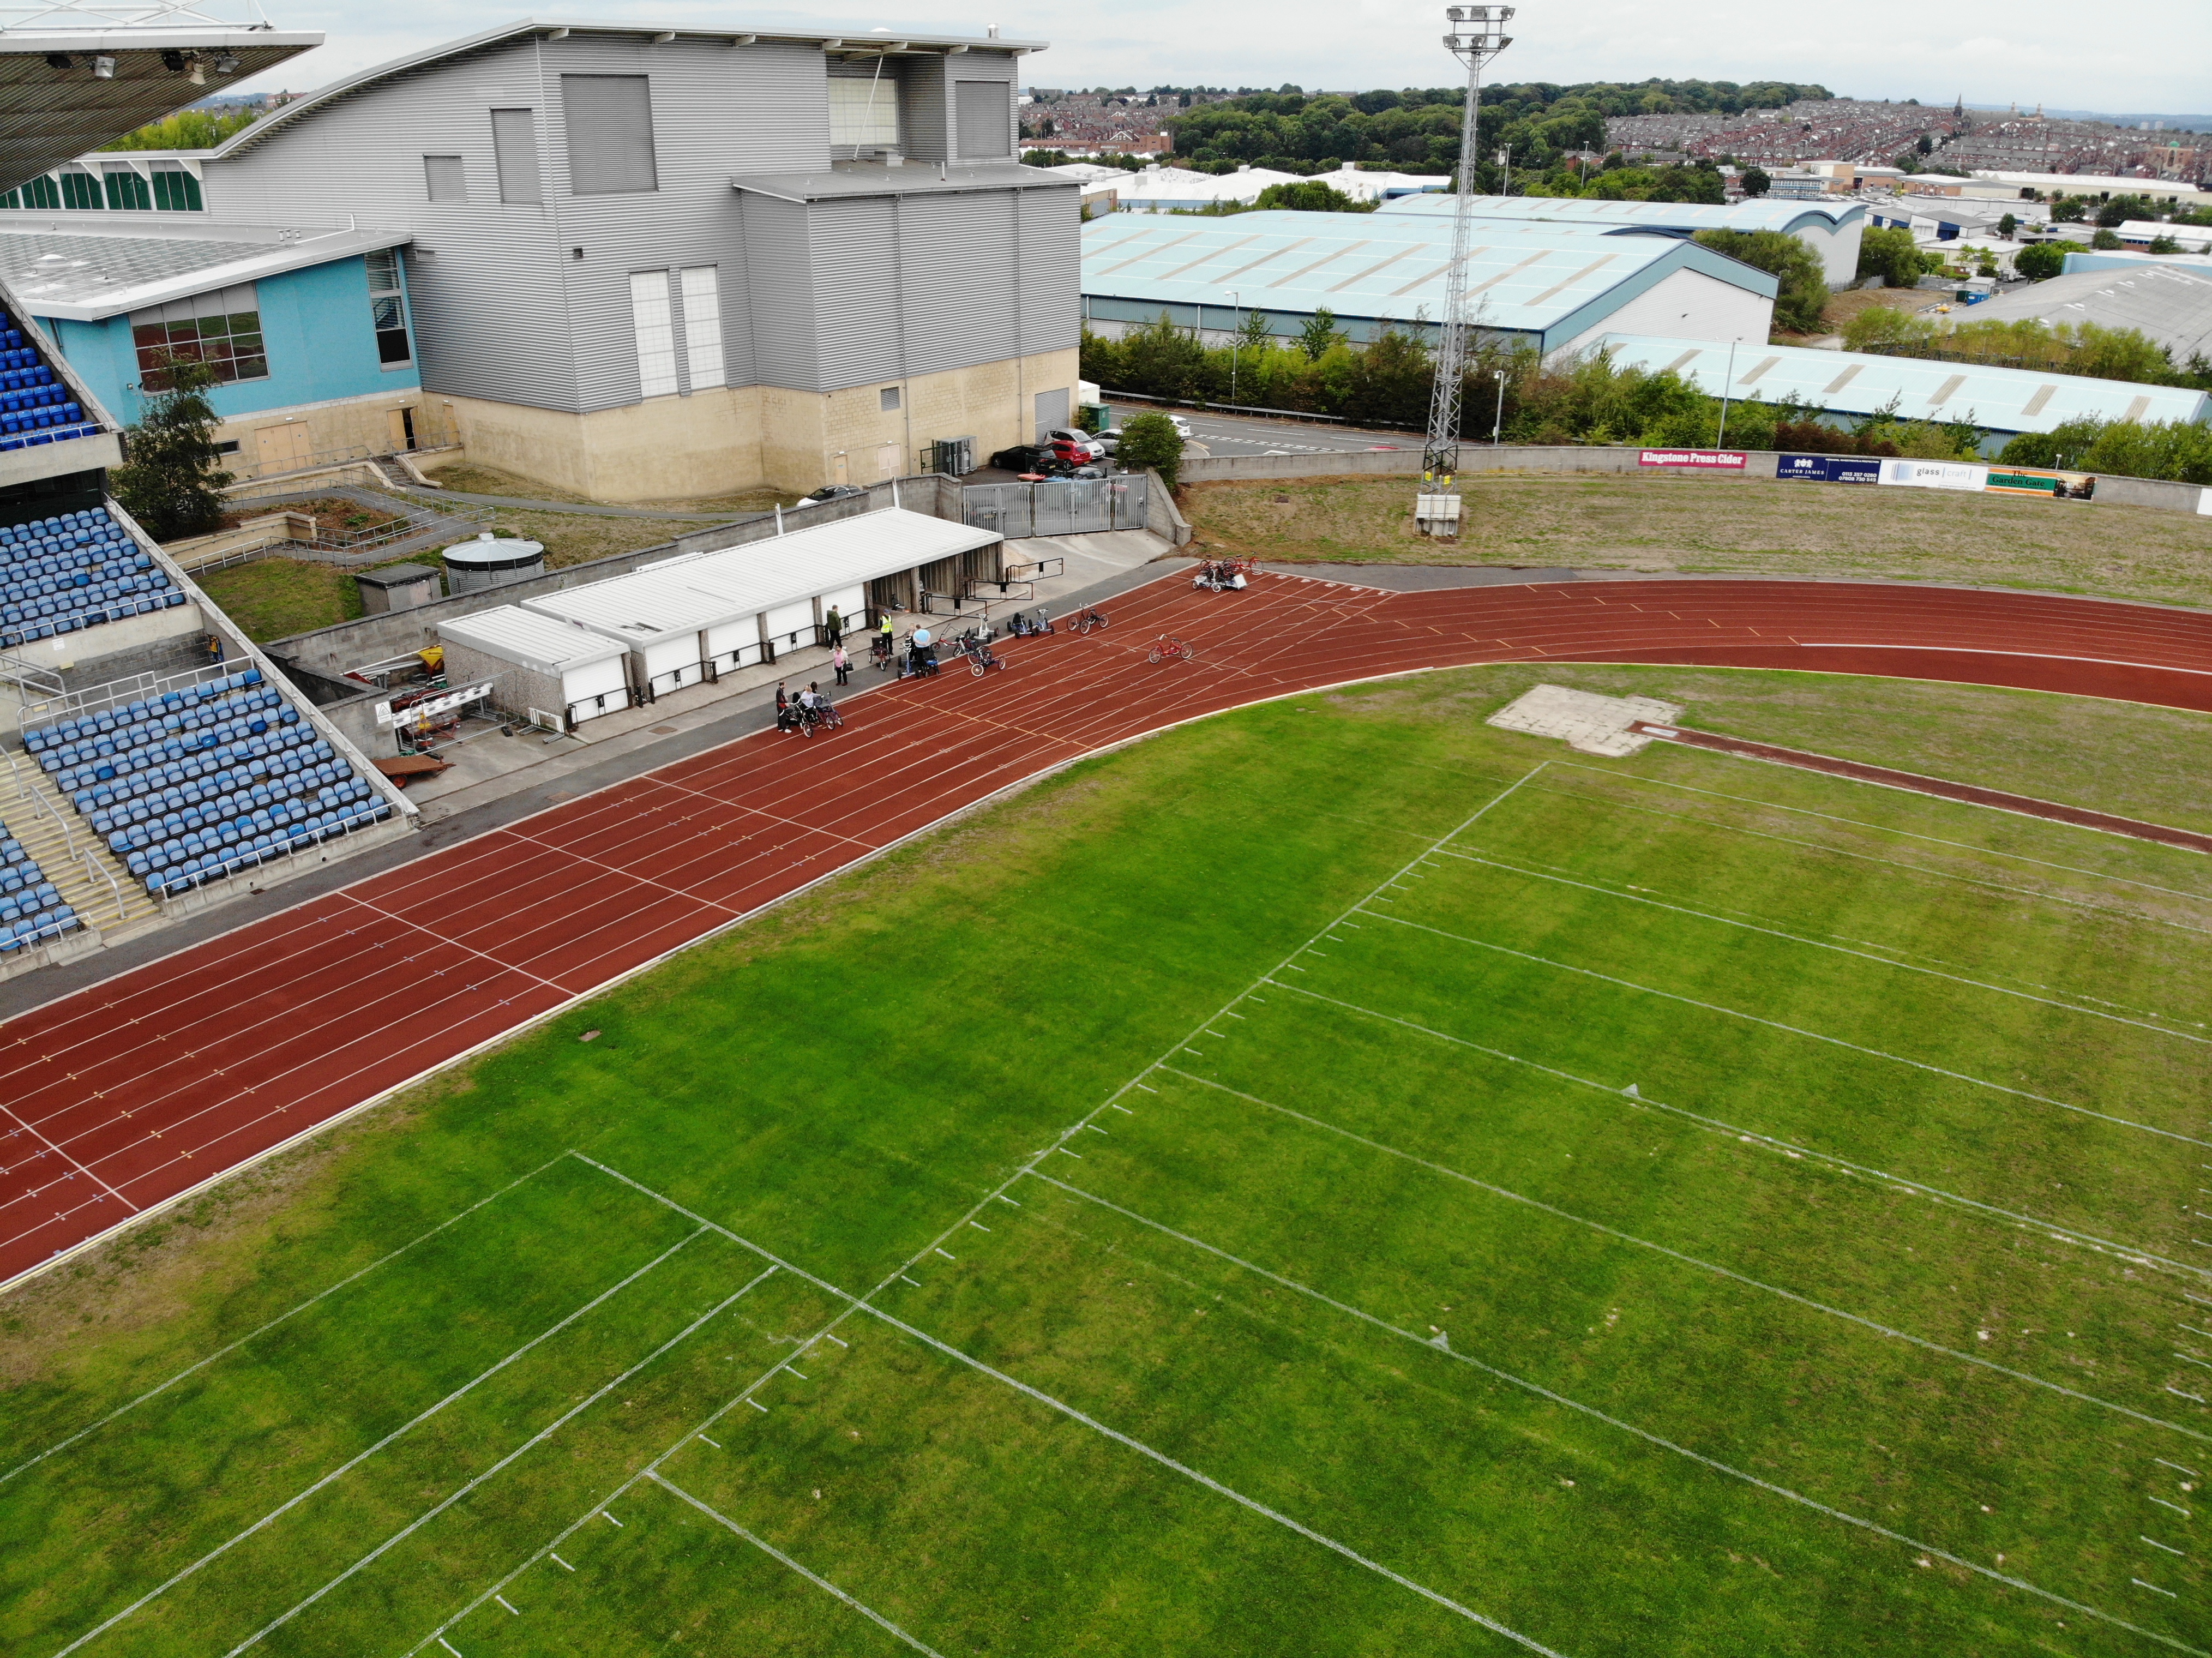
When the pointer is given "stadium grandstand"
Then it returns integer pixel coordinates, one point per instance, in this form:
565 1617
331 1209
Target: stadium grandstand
147 750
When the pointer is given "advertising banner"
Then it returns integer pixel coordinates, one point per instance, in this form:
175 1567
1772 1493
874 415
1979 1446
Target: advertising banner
1935 474
2035 481
1725 460
1829 469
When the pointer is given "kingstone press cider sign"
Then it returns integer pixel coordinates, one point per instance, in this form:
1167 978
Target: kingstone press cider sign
1723 460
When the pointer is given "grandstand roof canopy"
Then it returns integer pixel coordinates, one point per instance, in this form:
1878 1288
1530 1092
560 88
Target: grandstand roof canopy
55 105
1758 214
2007 400
2171 304
62 267
1527 278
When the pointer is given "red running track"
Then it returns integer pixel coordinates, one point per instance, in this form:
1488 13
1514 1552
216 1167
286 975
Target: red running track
123 1098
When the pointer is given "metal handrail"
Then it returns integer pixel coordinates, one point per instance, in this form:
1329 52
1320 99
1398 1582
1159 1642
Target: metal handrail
37 797
94 864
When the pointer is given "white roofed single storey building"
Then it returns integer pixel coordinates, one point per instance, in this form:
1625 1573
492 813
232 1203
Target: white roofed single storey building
537 666
698 615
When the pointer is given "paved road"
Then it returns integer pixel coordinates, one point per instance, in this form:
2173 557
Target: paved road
1243 435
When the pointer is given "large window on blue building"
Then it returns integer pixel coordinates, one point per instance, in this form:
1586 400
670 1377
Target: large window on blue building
222 329
387 308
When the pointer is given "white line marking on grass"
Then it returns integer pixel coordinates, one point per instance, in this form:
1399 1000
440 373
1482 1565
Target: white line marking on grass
1818 943
563 1564
449 1647
778 1555
504 1601
2153 1589
864 1303
1797 1031
354 1462
1592 1411
714 1442
609 1519
2088 1240
535 1440
1688 1261
1910 835
200 1364
2176 1507
2163 1463
1215 1485
2155 1544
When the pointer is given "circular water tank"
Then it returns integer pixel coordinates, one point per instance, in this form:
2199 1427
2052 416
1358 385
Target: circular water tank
492 561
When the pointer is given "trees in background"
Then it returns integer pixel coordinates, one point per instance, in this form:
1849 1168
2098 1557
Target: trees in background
1801 301
1891 255
188 128
2085 349
1310 195
1387 382
1152 440
1755 181
2154 449
2040 261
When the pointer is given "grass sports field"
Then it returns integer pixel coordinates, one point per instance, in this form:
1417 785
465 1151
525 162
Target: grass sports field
1334 1179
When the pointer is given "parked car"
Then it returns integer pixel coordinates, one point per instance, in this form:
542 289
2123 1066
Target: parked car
1030 457
1088 444
836 492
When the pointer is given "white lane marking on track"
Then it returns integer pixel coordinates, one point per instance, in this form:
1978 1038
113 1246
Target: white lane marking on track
1718 1126
778 1555
1797 1031
200 1364
1592 1411
1821 944
1511 1196
355 1461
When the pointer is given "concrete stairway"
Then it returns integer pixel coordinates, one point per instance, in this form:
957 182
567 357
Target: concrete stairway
104 894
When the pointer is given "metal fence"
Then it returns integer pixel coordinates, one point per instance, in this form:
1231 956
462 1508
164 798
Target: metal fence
1058 506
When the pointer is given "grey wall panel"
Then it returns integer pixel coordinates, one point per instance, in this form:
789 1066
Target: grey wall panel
1052 258
925 110
855 281
779 274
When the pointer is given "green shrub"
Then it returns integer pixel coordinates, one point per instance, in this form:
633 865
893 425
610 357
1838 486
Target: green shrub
1152 440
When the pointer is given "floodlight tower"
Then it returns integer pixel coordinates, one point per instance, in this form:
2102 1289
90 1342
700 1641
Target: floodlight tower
1478 35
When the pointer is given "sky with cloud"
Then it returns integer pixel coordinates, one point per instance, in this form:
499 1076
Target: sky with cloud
2149 56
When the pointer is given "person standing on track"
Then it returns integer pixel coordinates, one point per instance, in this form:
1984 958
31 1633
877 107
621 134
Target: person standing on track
840 662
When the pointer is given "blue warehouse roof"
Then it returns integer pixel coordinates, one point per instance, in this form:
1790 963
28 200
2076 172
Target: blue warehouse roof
1552 281
1859 383
1755 214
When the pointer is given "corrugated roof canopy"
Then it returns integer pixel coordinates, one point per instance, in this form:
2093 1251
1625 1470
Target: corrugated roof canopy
1522 277
1860 383
846 178
2172 305
50 114
542 642
703 590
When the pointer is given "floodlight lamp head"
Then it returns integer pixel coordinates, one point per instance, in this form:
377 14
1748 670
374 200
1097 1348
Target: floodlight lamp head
1477 33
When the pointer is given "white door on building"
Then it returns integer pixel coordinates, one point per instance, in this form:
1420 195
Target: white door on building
841 472
887 461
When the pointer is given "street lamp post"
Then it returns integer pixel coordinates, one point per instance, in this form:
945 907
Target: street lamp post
1727 387
1236 338
1497 425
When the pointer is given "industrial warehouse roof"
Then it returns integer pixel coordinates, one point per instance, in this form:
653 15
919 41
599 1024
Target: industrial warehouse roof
62 267
2172 306
542 643
703 590
1671 215
1860 383
1529 278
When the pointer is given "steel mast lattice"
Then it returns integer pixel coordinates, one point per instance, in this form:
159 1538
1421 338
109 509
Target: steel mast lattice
1477 37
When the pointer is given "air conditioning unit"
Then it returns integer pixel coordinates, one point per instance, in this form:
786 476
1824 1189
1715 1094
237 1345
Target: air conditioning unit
954 456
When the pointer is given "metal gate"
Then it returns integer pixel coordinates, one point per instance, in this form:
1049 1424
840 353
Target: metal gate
1058 506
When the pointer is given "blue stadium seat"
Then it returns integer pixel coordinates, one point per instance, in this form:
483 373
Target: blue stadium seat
72 571
203 780
35 405
32 911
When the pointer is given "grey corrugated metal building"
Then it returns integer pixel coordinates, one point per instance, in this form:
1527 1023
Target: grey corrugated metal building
654 262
